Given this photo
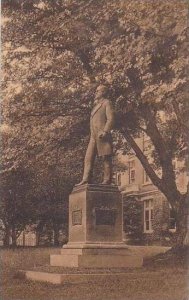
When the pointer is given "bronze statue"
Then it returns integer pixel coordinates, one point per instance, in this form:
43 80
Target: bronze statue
101 123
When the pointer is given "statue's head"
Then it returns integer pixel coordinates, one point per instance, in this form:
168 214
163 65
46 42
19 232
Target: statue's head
101 91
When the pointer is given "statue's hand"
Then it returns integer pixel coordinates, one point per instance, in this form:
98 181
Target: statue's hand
103 135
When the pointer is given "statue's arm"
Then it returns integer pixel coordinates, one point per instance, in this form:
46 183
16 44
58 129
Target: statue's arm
109 116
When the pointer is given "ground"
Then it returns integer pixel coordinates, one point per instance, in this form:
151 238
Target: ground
151 282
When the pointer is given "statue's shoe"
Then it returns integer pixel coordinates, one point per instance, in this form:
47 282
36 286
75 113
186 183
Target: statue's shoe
82 183
106 182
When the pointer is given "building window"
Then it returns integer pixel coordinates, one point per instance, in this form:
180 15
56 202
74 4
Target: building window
148 215
172 219
119 179
131 172
146 178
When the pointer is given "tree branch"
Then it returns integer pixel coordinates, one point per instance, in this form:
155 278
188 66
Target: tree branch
143 159
184 128
155 136
165 155
168 188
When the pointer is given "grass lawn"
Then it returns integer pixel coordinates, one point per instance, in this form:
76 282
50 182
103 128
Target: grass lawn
148 283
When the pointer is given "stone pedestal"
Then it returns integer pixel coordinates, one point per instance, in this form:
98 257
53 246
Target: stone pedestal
95 230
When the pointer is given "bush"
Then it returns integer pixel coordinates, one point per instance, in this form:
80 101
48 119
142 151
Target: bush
132 220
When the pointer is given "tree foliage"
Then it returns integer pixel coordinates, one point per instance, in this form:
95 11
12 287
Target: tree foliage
56 52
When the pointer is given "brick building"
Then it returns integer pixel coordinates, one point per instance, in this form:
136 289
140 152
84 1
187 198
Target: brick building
157 222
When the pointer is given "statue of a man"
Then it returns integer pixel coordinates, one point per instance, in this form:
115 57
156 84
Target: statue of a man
101 123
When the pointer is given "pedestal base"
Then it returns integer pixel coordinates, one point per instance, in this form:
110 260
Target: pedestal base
95 230
96 256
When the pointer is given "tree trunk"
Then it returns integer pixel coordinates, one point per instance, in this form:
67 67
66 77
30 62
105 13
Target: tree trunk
181 230
56 234
167 186
186 239
182 217
14 237
6 239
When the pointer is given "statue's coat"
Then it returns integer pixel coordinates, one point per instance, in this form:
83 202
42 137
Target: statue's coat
102 119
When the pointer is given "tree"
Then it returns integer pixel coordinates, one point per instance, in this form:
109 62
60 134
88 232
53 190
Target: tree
51 194
132 219
16 204
53 62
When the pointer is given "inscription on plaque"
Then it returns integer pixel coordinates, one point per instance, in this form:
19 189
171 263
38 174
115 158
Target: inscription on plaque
105 216
77 217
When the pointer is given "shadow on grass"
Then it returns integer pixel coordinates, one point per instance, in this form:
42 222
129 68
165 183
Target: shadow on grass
175 257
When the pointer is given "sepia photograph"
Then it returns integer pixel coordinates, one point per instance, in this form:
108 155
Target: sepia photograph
94 139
